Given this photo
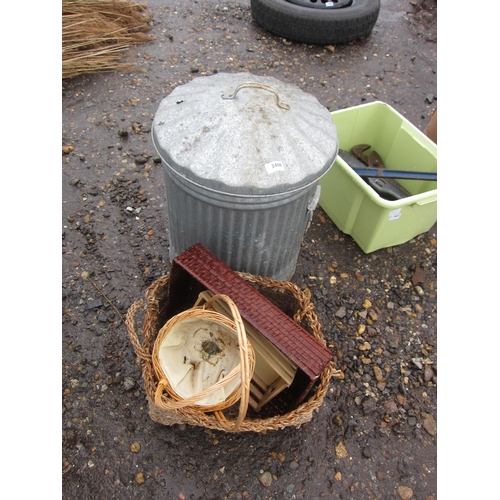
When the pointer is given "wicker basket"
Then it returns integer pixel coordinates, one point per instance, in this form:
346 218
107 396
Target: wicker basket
164 409
244 370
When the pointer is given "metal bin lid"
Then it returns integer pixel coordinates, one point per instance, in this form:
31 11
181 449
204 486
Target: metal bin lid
245 134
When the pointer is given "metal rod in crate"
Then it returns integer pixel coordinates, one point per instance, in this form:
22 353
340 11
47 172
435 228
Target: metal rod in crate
395 174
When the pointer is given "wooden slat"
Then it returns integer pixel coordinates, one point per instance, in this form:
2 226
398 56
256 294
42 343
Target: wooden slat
273 372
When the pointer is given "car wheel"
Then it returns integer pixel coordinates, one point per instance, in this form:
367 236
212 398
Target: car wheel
317 21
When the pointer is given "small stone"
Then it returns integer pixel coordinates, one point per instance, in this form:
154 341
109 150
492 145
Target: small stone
338 476
418 277
428 373
429 424
367 304
293 465
367 452
337 421
405 492
377 372
369 405
135 447
341 312
361 329
390 406
419 308
365 346
266 479
139 478
122 132
373 315
128 383
359 276
94 304
417 362
340 450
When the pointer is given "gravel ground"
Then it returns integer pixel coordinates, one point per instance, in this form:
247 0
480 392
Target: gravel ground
375 436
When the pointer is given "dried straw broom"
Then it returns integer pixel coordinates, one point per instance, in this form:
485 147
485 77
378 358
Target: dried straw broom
97 33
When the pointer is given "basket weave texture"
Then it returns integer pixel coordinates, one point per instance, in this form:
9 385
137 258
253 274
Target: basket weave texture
162 407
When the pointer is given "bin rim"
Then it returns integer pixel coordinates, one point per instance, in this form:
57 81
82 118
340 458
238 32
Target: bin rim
233 194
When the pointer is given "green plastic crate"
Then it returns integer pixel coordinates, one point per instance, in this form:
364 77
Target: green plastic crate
355 207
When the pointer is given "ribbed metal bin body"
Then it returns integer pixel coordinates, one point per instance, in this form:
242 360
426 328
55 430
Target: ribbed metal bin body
242 158
261 235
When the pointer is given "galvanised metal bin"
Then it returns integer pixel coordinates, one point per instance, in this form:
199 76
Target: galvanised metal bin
242 156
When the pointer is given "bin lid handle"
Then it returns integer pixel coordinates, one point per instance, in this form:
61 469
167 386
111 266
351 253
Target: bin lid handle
257 85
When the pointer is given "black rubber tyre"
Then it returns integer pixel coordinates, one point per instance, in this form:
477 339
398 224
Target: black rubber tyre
316 25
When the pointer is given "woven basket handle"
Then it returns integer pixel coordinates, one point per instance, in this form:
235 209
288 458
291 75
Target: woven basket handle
244 369
246 366
134 338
